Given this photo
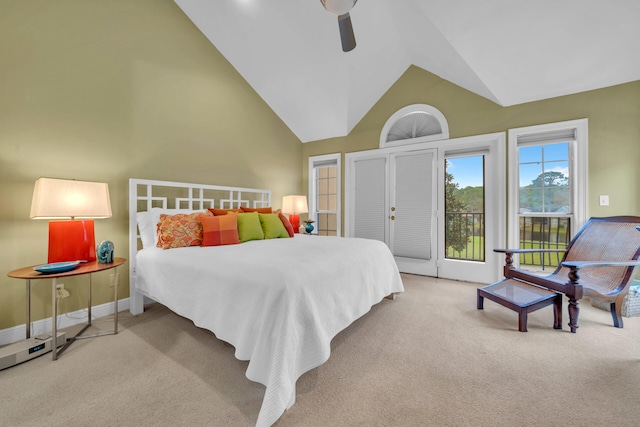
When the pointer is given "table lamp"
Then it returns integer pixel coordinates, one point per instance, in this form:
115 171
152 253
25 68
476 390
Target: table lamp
79 202
294 206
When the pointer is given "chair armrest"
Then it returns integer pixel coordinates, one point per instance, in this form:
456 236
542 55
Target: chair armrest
573 285
576 265
526 251
508 261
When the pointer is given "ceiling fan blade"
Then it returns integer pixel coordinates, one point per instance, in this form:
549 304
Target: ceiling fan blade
346 32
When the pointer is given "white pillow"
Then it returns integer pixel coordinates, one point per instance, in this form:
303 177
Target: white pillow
148 224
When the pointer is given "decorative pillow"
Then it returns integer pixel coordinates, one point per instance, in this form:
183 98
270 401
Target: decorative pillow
147 229
272 226
148 224
180 230
285 222
249 227
224 211
219 230
259 210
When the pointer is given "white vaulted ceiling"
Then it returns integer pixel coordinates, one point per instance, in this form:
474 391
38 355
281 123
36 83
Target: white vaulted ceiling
508 51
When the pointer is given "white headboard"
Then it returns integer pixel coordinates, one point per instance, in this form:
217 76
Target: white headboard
145 194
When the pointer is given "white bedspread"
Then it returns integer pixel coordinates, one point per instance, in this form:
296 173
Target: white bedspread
279 302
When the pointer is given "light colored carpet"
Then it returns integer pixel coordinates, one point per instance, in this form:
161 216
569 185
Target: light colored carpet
429 358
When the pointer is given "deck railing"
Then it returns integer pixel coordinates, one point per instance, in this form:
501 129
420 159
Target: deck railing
465 227
536 232
543 232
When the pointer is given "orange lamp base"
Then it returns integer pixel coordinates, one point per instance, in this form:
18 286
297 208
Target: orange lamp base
294 219
72 240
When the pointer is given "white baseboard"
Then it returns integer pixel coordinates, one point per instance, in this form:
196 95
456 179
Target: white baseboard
18 333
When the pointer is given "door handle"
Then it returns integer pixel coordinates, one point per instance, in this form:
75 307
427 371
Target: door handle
393 217
393 209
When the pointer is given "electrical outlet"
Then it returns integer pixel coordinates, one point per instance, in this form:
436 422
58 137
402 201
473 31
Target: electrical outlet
61 292
604 200
113 279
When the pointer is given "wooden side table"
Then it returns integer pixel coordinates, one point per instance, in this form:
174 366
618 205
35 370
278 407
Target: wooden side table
29 274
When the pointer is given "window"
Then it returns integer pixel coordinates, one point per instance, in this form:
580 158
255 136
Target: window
545 177
547 188
464 208
413 124
324 194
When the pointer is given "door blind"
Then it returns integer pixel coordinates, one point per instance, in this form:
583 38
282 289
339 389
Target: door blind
413 203
369 204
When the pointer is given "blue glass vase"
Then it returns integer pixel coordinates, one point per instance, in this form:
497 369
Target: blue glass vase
308 228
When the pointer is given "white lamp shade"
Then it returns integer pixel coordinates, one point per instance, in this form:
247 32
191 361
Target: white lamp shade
62 198
294 204
339 7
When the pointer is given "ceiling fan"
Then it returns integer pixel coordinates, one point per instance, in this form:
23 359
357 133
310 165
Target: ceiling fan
342 8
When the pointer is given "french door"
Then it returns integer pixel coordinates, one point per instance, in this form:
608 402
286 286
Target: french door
472 205
412 213
402 196
393 199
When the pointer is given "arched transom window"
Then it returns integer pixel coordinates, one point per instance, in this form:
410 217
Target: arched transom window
413 124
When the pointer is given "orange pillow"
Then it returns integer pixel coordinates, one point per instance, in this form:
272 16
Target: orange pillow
259 210
285 222
223 211
179 230
220 230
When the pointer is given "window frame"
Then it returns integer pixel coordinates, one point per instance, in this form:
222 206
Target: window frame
315 161
578 167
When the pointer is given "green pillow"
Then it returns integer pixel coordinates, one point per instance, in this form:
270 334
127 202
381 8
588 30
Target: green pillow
249 227
272 226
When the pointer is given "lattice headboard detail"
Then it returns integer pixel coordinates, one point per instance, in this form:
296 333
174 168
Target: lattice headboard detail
145 194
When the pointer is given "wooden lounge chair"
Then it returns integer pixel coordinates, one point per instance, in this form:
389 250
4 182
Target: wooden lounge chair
601 261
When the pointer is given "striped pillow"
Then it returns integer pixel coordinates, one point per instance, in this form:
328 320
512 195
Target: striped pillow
219 230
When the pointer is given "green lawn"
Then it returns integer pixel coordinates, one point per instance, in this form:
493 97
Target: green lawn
475 251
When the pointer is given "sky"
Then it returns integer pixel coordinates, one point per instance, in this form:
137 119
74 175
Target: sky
467 171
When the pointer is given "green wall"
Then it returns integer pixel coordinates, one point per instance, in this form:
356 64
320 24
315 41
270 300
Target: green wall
614 129
112 90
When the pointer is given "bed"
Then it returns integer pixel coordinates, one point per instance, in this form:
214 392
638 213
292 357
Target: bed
278 301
